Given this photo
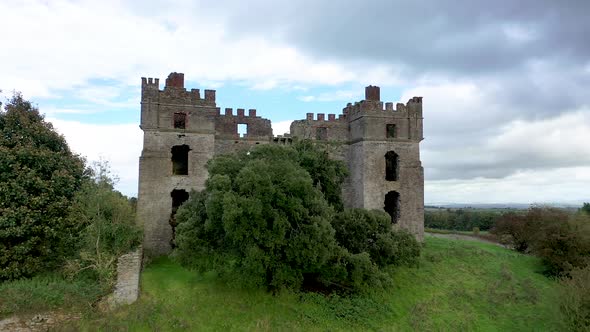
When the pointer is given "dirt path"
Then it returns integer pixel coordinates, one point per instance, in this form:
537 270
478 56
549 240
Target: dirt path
462 237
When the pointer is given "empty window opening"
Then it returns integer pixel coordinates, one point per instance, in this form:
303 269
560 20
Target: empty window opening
242 129
321 134
178 197
179 120
180 159
391 166
391 131
392 205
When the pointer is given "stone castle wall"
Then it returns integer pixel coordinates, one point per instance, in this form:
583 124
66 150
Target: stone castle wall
361 136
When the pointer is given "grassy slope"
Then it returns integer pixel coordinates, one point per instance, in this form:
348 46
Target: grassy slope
459 286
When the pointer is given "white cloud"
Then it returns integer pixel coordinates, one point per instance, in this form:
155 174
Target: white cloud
338 95
281 127
62 44
562 139
531 186
119 144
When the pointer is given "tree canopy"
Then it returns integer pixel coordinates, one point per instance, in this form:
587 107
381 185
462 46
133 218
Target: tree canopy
39 177
264 219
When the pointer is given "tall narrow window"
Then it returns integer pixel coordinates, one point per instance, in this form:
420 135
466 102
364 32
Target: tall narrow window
391 131
180 159
179 120
321 134
391 166
392 205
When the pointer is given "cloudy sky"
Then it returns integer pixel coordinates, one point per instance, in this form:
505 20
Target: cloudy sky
505 83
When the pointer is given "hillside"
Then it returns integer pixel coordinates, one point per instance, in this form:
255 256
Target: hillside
460 285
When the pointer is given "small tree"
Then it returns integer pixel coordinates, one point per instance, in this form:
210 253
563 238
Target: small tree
39 177
107 226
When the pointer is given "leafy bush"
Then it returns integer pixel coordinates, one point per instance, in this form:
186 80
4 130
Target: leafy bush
566 245
264 215
39 177
561 239
108 227
574 299
360 230
327 174
262 220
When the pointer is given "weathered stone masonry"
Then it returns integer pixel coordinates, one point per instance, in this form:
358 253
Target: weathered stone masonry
183 130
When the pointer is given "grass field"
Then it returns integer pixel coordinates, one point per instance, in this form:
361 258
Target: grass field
460 285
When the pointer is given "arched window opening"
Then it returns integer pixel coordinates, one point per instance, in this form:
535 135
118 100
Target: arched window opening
392 205
391 166
180 159
179 196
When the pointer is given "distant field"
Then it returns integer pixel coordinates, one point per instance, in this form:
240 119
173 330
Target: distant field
459 286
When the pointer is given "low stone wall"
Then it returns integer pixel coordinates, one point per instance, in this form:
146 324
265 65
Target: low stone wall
128 271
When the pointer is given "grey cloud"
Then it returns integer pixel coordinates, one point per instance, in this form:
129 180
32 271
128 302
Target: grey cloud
526 58
456 36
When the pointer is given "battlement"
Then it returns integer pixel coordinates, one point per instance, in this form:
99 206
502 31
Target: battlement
150 83
174 91
373 105
322 117
240 113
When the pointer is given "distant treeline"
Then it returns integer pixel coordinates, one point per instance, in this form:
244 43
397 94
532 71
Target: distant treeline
461 219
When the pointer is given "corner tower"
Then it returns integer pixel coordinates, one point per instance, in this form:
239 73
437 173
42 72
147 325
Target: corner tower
380 144
384 159
182 130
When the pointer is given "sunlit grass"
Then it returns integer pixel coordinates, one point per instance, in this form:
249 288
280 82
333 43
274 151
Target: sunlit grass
458 286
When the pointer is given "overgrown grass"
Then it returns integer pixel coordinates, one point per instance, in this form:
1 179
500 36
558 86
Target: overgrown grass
458 286
45 293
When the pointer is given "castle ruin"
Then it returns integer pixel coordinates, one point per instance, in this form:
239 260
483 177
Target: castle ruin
183 130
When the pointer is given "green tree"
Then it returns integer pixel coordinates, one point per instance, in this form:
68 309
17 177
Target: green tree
107 226
264 221
327 174
39 177
263 211
261 220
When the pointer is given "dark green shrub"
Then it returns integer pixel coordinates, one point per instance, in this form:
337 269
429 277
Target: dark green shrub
262 220
564 245
360 230
263 215
327 174
39 177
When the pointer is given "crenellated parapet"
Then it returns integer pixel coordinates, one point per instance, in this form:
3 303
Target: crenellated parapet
413 108
241 113
174 92
321 117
